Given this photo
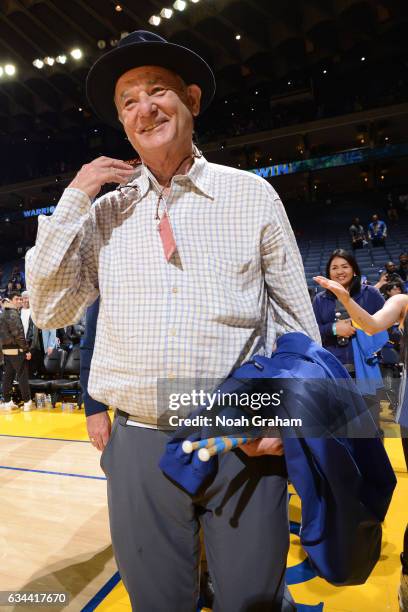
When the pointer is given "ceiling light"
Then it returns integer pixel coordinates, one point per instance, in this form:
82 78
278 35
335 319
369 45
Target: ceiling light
256 92
38 63
1 72
61 59
118 8
50 61
325 71
155 20
166 13
124 34
80 109
363 59
76 53
289 82
365 179
386 139
180 5
10 69
194 1
101 44
238 37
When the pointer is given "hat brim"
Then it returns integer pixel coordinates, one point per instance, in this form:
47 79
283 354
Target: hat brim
104 74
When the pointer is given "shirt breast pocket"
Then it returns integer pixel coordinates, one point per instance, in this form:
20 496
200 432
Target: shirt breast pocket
234 276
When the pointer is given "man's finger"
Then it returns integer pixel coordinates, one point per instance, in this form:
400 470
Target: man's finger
105 438
109 162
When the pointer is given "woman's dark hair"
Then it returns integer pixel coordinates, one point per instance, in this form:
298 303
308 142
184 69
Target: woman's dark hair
351 260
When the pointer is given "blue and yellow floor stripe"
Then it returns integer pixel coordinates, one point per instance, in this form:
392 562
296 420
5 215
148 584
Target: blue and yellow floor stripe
311 593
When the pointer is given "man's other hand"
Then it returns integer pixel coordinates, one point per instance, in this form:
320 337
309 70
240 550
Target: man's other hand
263 446
99 429
28 356
100 171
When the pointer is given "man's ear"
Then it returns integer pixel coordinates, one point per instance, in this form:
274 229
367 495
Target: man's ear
193 99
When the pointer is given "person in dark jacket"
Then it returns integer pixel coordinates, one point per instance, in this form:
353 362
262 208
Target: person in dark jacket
16 353
334 323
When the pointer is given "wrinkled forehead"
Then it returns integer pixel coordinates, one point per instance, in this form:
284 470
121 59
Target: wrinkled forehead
146 76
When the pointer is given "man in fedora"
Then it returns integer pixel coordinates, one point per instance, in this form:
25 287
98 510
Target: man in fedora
191 262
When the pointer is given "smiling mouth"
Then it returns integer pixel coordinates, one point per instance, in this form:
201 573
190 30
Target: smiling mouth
153 126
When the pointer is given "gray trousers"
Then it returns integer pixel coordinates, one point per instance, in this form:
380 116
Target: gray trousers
155 528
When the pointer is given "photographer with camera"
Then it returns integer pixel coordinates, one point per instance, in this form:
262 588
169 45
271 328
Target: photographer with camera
388 275
334 323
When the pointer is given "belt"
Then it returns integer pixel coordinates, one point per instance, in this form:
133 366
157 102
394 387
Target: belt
134 419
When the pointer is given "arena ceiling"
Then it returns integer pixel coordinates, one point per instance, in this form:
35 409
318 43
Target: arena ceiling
277 39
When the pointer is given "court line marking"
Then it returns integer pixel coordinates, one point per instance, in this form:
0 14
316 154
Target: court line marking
19 469
44 438
102 593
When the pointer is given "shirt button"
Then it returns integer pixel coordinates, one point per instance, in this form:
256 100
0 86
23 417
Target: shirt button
175 290
173 331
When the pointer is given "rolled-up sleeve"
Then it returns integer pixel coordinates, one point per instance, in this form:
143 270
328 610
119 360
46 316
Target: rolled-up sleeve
284 274
61 268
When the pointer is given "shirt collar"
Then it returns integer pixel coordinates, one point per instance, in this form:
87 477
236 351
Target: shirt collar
200 175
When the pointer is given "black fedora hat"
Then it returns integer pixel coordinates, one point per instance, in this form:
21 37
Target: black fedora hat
142 48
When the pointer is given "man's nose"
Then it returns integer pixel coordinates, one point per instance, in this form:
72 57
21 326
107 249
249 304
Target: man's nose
146 105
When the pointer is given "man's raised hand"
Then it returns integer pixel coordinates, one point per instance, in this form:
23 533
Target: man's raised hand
100 171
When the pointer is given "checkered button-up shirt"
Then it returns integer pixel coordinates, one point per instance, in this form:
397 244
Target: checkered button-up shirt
235 282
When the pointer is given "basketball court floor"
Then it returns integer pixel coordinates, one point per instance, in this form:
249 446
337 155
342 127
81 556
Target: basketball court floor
54 533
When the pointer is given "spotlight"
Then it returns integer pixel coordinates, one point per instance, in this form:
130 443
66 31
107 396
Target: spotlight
289 82
366 179
256 92
123 34
238 37
38 63
113 42
382 177
1 72
155 20
61 59
325 71
166 13
386 139
101 44
10 69
362 59
50 61
194 1
118 8
80 109
76 54
180 5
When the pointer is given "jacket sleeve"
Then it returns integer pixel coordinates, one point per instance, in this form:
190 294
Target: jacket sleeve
326 329
86 350
61 268
17 331
283 272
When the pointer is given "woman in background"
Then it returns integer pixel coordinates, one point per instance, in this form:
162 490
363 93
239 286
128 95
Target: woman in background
334 323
